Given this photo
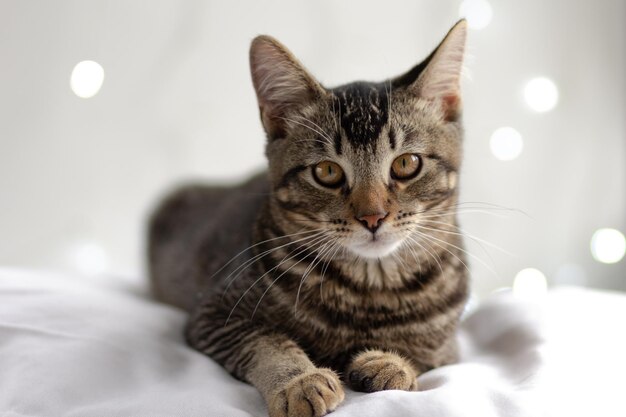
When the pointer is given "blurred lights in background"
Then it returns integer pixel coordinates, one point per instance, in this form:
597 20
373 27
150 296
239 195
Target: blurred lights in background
88 258
471 304
530 283
87 78
477 12
506 143
608 246
541 94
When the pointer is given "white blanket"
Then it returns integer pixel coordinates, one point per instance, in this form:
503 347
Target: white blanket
70 348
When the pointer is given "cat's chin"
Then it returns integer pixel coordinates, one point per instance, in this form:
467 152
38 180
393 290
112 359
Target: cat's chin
375 249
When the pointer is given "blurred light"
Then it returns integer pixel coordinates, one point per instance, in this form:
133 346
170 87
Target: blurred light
477 12
470 305
86 79
506 143
88 258
570 274
530 283
541 94
608 246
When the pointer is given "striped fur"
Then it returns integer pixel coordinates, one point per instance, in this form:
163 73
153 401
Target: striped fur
281 279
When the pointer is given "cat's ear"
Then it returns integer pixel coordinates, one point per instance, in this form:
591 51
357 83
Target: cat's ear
438 77
281 83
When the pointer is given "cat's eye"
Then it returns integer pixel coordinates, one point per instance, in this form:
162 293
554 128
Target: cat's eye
406 166
328 174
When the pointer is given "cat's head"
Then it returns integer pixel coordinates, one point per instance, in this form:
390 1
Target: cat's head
363 161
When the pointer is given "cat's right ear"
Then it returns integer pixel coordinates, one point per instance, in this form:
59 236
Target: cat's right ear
280 81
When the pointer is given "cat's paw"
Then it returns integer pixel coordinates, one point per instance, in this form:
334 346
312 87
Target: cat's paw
374 370
312 394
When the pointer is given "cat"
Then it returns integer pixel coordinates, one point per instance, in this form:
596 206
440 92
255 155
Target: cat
340 260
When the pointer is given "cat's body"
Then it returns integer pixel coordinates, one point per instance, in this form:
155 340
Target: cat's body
345 254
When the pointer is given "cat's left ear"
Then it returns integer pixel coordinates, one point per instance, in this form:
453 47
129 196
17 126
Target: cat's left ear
281 82
438 77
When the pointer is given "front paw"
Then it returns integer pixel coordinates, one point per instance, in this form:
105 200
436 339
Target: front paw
372 371
312 394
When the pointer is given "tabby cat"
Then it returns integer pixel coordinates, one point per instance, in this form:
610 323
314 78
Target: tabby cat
340 261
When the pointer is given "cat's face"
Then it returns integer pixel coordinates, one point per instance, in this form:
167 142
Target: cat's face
361 163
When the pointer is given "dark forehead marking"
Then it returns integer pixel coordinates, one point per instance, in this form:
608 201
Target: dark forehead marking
363 111
337 141
392 138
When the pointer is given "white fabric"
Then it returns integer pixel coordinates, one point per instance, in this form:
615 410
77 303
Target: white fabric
68 348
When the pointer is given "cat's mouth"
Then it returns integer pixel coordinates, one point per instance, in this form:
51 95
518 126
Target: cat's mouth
377 246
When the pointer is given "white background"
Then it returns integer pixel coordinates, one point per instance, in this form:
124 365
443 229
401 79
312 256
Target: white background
78 176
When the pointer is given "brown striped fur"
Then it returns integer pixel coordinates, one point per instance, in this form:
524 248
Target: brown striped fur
285 286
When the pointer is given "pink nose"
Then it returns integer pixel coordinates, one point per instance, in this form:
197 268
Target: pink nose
372 221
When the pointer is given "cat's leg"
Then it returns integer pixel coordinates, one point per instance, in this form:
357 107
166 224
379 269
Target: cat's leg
375 370
290 383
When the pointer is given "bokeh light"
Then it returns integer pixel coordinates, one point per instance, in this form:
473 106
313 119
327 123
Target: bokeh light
530 283
541 94
506 143
477 12
88 258
608 246
472 303
87 78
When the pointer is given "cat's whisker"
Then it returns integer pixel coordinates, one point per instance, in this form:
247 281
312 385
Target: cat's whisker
415 256
402 263
462 232
324 239
306 247
311 265
433 229
398 259
402 257
492 206
398 255
428 240
321 253
483 204
319 132
299 123
435 256
477 206
311 140
409 248
241 268
433 239
433 214
325 267
257 257
326 135
261 243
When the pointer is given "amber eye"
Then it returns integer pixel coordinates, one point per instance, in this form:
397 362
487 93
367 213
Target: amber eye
406 166
328 174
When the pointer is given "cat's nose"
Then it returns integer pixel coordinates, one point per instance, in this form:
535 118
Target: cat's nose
372 221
